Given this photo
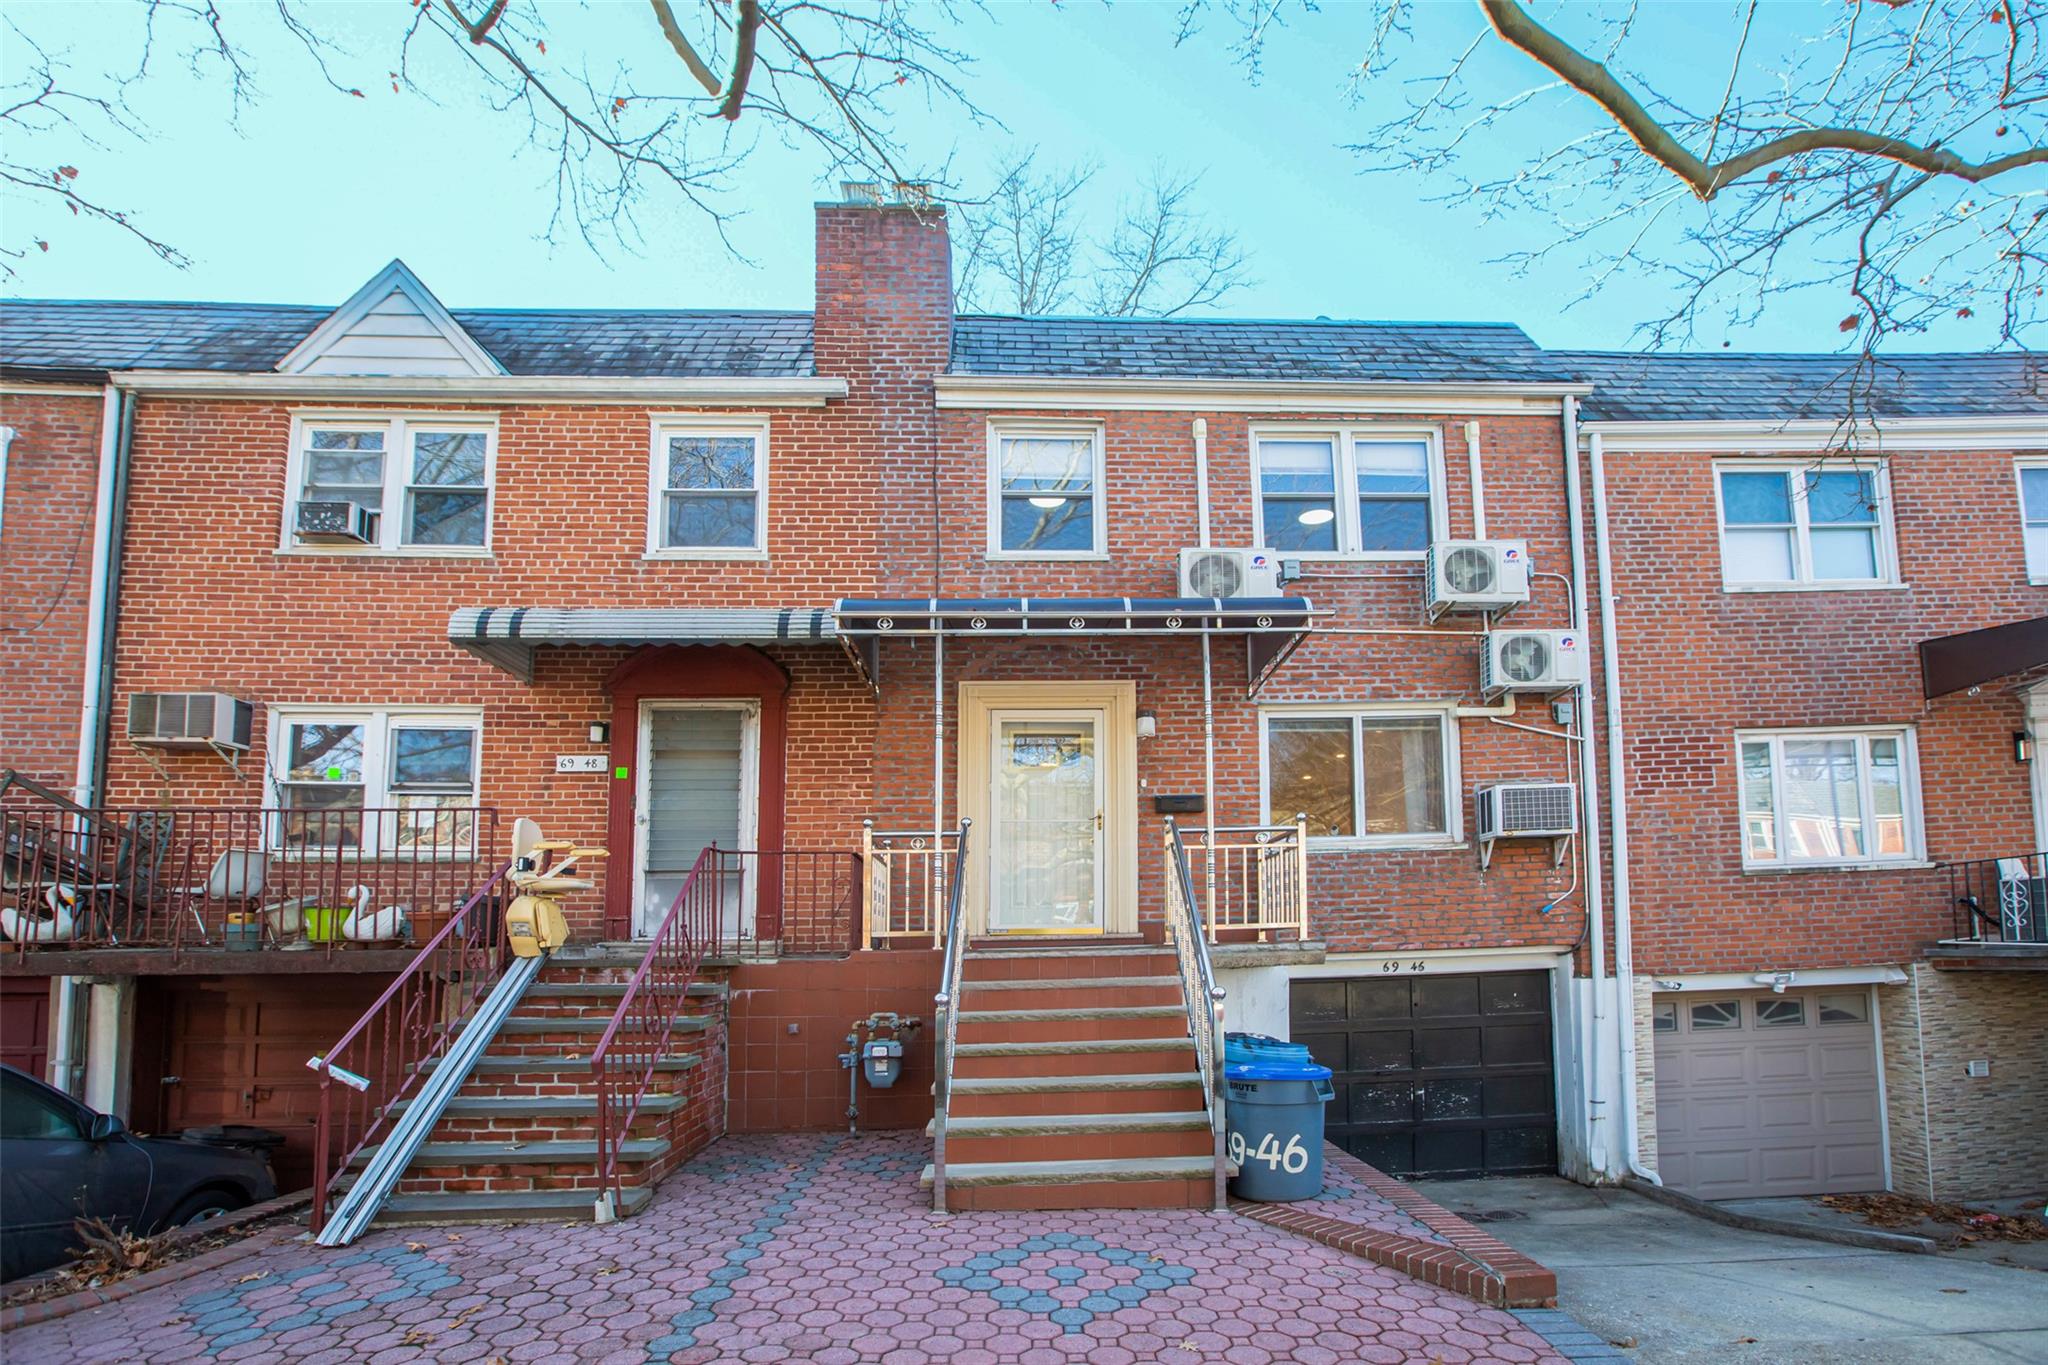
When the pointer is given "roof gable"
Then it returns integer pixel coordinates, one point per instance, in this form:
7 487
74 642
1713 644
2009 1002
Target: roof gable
392 325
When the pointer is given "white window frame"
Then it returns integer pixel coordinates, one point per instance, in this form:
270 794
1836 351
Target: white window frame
399 429
665 425
1802 579
1446 716
1099 492
1909 796
2036 573
378 722
1347 438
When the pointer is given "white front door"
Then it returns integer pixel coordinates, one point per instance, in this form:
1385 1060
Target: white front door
698 766
1046 806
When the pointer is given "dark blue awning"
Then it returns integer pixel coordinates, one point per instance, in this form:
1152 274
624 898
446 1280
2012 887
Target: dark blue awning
1272 626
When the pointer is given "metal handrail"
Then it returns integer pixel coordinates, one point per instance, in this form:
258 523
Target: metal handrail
1199 991
416 1018
945 1005
1999 900
626 1059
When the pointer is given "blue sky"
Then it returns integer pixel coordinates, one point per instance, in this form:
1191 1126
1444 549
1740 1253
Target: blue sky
314 191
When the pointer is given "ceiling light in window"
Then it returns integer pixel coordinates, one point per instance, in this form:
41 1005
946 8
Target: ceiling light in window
1316 516
1048 503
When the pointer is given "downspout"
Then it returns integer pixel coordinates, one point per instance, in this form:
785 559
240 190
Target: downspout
1589 793
1478 481
939 786
1624 946
1201 430
110 525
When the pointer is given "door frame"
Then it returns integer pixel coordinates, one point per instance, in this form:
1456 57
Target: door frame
1118 703
750 792
1097 720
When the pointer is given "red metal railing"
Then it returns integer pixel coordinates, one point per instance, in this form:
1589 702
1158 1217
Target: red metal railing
191 878
802 902
624 1063
384 1056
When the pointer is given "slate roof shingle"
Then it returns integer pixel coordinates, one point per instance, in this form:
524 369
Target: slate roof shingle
1731 386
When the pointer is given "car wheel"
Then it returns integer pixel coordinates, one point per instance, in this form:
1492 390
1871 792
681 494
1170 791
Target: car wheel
203 1207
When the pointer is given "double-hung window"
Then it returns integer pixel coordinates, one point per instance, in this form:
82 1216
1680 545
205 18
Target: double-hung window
1045 492
425 480
2034 517
1342 492
377 781
709 490
1804 525
1828 798
1370 777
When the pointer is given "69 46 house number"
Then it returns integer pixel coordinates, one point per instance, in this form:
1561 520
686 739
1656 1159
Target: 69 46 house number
1293 1158
1418 964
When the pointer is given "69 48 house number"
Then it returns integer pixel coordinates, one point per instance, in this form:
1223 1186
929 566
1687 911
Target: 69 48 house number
1293 1158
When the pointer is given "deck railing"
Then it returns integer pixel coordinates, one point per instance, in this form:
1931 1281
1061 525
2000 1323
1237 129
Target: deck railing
191 878
1199 991
1999 900
627 1058
946 1008
906 888
1258 875
385 1055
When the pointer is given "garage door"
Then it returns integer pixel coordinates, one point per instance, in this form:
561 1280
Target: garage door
235 1051
25 1023
1762 1094
1436 1075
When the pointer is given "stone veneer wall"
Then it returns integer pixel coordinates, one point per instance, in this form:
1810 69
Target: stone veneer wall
1954 1136
1646 1076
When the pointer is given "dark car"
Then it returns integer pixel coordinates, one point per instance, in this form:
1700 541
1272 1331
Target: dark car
61 1161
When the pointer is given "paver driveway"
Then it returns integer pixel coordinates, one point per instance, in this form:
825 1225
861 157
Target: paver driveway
801 1247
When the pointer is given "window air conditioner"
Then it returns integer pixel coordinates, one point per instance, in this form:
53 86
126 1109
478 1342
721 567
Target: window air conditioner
1477 575
1229 573
190 720
1527 810
1531 661
335 523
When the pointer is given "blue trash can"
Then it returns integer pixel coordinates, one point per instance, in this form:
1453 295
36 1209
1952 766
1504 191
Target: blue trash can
1274 1117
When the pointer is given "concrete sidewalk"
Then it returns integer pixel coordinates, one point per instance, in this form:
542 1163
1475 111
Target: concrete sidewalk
1687 1290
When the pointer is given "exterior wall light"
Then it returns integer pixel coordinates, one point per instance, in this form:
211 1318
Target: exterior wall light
1148 722
600 732
2022 747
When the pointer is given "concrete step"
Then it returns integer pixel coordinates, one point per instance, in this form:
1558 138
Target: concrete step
611 990
504 1206
1092 959
1053 1125
1077 1137
576 1025
1131 1093
1095 1023
1065 1048
1147 1182
1094 1058
549 1063
540 1106
433 1154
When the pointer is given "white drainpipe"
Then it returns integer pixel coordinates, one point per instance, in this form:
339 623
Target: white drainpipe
89 719
1624 946
1201 429
1202 481
1478 481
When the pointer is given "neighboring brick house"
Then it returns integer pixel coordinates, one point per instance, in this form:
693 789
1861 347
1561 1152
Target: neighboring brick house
810 588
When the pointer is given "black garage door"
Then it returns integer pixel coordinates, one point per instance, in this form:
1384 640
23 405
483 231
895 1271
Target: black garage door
1436 1075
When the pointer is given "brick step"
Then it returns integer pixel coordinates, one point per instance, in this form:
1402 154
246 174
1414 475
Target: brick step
1113 1056
1071 993
1138 1183
1091 960
1076 1137
1096 1023
436 1154
1138 1092
503 1206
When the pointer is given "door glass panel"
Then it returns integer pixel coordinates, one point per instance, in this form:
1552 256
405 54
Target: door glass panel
695 788
1047 806
1783 1011
1712 1014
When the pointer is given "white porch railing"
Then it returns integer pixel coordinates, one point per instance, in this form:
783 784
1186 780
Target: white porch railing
1251 878
904 888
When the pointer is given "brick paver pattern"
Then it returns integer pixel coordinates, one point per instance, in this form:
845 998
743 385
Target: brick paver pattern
812 1247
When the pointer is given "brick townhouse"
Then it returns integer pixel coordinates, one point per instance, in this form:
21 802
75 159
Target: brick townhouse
1292 631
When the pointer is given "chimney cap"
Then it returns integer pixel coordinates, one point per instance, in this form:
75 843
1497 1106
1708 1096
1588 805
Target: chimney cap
873 194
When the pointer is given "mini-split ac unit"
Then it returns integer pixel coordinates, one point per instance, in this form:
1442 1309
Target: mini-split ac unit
335 523
1526 810
1531 661
1229 573
190 720
1477 575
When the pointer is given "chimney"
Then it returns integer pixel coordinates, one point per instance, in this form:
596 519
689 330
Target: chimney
884 312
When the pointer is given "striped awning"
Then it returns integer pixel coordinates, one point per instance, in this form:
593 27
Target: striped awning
507 636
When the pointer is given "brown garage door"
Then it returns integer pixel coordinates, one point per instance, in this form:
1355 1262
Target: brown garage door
1762 1094
1437 1075
25 1023
235 1050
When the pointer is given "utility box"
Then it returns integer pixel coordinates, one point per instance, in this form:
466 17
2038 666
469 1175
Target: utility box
881 1061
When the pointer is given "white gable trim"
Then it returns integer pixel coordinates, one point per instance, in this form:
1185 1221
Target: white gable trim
393 278
2019 431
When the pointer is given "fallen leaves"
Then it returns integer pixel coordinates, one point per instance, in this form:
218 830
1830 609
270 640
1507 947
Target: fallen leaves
1955 1224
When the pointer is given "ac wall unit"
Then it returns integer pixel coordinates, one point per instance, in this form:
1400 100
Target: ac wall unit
1477 575
1531 661
335 523
1229 573
190 720
1527 810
